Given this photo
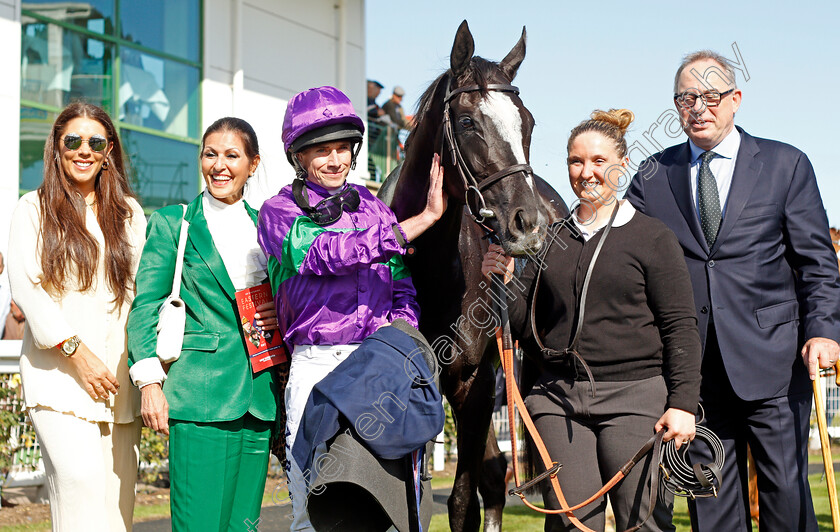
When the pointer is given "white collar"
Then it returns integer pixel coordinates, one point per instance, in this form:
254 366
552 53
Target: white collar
727 148
216 204
235 237
625 214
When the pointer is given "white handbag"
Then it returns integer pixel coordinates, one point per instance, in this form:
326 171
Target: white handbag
172 316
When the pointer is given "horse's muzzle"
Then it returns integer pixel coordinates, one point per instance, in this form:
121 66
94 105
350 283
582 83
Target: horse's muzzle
520 244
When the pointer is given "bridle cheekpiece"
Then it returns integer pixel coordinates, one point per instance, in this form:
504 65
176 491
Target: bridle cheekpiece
471 183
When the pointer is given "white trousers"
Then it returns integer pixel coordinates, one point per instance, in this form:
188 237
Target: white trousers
91 471
310 364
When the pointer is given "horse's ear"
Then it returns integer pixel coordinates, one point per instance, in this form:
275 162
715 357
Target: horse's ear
462 50
510 64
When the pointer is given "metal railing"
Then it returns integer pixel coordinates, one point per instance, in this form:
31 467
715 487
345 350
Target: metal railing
27 464
385 149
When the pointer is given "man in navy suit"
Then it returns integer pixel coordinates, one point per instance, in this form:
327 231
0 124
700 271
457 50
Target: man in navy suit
749 217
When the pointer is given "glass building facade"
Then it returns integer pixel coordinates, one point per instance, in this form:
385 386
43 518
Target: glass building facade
140 61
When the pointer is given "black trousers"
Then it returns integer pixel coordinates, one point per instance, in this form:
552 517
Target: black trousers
776 430
593 438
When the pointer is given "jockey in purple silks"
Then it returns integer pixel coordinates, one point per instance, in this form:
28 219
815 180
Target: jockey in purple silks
334 255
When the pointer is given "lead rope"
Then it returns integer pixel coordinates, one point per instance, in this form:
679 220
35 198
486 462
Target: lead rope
515 402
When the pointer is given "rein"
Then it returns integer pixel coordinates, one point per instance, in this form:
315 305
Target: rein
472 185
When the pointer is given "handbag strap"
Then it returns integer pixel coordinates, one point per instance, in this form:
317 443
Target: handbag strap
179 261
572 349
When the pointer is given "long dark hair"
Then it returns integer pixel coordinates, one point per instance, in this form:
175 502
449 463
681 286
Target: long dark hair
68 250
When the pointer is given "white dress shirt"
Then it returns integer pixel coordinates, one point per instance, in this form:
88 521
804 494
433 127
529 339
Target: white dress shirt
235 237
722 167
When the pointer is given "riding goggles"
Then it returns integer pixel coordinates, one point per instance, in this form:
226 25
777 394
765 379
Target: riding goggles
73 141
329 210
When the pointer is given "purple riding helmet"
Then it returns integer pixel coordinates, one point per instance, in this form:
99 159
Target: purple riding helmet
322 114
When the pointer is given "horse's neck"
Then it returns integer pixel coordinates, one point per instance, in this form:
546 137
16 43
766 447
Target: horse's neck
412 188
437 267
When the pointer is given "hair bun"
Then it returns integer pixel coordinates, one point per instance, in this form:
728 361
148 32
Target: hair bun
620 118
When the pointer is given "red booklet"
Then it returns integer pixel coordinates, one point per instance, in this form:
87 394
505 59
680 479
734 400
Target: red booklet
265 348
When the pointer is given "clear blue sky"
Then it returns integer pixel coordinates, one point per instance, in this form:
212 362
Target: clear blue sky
587 55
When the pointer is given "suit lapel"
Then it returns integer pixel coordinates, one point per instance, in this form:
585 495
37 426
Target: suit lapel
744 179
678 178
202 241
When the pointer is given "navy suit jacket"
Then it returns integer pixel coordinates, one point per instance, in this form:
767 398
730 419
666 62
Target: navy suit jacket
771 278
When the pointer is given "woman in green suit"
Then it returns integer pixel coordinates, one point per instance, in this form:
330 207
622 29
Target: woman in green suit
220 416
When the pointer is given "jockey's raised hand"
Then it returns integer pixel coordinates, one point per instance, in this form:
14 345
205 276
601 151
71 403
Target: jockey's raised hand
435 204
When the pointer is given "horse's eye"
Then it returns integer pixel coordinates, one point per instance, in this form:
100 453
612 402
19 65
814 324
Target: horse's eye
466 122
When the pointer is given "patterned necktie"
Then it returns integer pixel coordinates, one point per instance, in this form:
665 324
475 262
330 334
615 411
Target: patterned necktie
707 195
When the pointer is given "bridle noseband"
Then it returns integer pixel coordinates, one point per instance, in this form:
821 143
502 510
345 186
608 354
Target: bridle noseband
471 183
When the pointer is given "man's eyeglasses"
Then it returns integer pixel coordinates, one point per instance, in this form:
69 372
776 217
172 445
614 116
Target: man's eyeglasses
73 141
328 210
688 99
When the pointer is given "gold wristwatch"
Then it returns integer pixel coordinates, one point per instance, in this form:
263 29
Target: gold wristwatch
68 347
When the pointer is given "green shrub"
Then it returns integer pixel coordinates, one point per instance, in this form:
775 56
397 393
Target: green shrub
154 457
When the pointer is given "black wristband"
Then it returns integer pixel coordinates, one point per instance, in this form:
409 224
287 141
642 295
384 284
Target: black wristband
409 248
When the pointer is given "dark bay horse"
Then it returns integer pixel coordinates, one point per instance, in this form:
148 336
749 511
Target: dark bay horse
475 119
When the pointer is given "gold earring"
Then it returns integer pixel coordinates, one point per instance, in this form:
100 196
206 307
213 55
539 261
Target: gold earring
105 165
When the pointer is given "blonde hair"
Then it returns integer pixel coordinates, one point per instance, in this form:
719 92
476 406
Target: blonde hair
612 124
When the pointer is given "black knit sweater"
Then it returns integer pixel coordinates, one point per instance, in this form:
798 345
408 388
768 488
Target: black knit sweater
639 319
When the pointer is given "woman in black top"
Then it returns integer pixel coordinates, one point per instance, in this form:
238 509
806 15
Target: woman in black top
639 337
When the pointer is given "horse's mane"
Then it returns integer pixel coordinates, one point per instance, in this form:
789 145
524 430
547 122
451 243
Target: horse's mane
478 73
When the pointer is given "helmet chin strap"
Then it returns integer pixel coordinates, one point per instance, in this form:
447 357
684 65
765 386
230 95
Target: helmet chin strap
300 173
355 155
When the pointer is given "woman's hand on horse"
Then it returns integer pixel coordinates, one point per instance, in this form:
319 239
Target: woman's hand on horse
92 374
435 204
154 409
495 261
266 316
679 424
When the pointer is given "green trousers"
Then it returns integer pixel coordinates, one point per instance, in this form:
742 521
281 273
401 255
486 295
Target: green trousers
217 473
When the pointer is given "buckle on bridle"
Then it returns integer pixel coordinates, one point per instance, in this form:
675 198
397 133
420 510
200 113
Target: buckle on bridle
483 211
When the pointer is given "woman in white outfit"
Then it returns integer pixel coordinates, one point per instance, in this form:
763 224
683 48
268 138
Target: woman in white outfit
73 252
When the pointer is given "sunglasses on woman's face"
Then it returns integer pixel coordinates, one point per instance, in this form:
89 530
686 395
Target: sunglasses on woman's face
73 141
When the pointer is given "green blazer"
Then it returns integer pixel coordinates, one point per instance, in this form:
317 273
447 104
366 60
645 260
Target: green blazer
212 380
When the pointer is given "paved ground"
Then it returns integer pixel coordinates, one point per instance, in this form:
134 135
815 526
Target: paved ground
275 518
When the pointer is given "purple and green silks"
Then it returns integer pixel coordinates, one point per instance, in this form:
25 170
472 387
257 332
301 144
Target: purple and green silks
338 284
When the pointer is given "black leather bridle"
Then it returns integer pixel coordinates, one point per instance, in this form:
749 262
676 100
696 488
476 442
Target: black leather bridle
471 183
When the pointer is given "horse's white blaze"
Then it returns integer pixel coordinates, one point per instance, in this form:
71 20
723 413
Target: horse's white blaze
502 112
